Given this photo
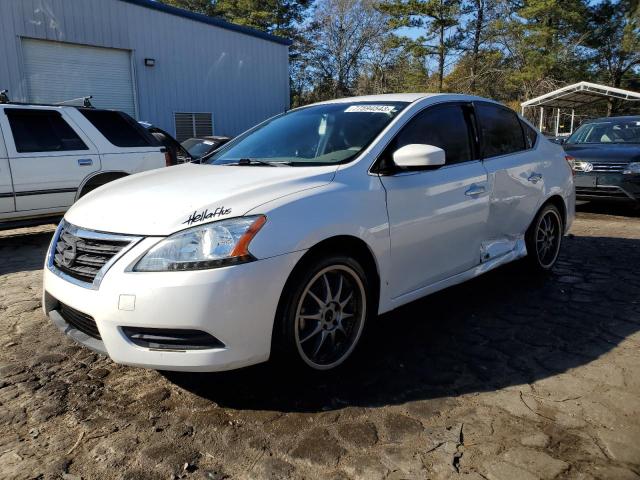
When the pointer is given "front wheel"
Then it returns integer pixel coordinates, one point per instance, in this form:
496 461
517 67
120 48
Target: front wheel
544 238
326 307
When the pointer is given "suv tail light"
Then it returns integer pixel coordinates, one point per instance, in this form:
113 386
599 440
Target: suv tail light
167 157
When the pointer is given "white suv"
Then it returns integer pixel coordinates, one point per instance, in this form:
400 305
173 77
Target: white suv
52 155
296 234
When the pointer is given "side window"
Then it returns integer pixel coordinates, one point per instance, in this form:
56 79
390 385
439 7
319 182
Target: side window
443 126
500 129
42 131
117 127
530 135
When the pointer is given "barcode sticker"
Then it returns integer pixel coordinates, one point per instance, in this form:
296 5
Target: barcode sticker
370 109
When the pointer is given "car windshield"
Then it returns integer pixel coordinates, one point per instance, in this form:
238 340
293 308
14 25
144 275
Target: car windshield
316 135
607 131
197 147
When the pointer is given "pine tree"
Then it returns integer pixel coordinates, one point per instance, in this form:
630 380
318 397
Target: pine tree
438 18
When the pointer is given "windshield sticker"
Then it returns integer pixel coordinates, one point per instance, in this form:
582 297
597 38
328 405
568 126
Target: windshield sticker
206 215
371 109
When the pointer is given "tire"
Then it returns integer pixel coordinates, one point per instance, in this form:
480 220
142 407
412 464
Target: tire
325 308
544 239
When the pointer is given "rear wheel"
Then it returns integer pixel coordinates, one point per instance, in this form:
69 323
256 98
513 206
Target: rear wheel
544 238
326 307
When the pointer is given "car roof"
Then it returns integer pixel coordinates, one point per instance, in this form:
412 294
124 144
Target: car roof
386 97
629 118
407 98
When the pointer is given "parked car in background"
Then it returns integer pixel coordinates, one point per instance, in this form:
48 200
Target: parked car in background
177 152
298 233
52 155
202 146
605 154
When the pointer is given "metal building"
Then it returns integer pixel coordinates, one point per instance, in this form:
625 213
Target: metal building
186 73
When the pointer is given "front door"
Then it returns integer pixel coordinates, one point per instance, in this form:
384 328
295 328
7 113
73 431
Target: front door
48 157
437 216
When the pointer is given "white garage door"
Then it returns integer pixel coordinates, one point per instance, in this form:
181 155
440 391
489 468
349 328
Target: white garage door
61 71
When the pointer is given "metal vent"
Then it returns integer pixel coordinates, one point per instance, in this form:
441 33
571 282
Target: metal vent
81 321
193 125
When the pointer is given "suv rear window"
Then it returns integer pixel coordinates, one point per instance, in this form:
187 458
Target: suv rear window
42 131
118 127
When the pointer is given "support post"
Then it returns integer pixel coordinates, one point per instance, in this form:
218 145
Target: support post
557 122
541 118
573 113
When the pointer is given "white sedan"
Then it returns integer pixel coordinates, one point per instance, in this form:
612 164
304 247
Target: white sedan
299 232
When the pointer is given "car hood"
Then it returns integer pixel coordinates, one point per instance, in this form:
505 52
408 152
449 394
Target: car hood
604 152
163 201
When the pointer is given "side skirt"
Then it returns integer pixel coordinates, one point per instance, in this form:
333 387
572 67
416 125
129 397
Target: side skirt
519 251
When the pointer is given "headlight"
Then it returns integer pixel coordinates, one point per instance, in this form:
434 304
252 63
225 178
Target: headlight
580 166
633 167
207 246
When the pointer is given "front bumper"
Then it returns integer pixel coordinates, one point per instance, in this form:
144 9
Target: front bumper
607 186
236 305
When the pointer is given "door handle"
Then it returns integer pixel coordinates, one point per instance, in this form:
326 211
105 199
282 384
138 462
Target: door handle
85 162
535 177
475 190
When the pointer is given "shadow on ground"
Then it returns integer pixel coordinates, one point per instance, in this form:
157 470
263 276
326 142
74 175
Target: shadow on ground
620 209
23 250
505 328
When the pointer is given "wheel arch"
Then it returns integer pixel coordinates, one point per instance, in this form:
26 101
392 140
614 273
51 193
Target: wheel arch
557 201
98 179
344 244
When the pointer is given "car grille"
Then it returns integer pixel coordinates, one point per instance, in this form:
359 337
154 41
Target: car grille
81 321
81 257
609 167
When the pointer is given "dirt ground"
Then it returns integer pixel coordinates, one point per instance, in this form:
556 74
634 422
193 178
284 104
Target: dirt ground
506 377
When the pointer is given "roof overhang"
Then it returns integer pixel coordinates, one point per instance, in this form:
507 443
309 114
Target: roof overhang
580 94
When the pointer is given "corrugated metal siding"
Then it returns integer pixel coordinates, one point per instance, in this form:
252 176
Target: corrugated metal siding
240 79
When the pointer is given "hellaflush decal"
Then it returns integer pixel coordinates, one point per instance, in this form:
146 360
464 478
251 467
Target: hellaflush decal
206 215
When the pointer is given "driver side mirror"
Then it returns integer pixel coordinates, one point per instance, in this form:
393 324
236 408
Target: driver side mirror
419 156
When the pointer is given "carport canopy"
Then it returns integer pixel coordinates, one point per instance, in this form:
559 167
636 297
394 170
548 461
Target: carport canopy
575 96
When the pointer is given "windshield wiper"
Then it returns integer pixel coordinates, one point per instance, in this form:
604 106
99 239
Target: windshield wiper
255 161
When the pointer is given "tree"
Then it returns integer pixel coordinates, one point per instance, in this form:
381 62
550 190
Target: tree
278 17
338 39
476 32
199 6
438 18
615 41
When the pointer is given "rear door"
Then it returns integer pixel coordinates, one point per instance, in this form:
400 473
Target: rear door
515 175
437 216
48 155
6 187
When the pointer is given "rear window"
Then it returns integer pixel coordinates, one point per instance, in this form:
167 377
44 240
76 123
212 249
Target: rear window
42 131
501 130
119 128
